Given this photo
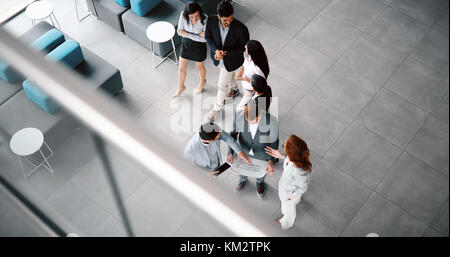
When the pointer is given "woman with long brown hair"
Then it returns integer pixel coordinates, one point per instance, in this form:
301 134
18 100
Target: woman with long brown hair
295 178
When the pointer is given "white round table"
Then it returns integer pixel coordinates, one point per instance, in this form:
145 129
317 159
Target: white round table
40 10
160 32
27 142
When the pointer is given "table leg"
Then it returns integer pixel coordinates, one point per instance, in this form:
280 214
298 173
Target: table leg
51 19
77 4
56 20
31 162
165 57
152 45
49 168
174 51
49 149
21 167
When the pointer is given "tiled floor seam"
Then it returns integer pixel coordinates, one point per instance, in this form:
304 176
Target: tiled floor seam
412 139
409 101
363 32
87 196
310 20
139 114
383 87
352 121
437 212
388 171
401 208
404 13
429 27
430 226
437 105
436 215
356 213
312 216
124 199
295 34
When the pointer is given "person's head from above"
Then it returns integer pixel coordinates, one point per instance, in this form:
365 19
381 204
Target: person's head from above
225 13
193 13
252 112
209 132
259 83
298 152
258 55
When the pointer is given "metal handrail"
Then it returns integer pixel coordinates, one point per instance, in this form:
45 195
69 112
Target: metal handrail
116 125
31 211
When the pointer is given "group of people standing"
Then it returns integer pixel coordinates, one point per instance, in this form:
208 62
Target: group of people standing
255 130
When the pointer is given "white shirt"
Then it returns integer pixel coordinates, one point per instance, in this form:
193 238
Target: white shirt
254 96
223 36
250 68
211 150
193 30
253 128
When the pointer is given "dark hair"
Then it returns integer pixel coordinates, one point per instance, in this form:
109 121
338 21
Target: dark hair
224 8
192 8
259 83
209 131
251 111
258 55
298 153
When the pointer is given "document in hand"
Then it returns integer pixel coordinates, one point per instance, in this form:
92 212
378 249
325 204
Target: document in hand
255 169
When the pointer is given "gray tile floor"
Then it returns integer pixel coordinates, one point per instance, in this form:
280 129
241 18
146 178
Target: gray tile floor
364 82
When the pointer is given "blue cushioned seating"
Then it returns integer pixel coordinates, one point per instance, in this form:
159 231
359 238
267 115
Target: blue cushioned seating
39 97
8 73
135 26
142 7
49 41
68 53
124 3
111 12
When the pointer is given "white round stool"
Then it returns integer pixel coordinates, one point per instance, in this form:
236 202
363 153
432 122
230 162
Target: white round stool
160 32
41 10
26 142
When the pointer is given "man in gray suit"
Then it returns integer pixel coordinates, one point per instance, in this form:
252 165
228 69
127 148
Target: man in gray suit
204 147
254 129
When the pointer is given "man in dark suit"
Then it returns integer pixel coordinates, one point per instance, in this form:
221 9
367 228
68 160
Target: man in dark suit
227 38
255 129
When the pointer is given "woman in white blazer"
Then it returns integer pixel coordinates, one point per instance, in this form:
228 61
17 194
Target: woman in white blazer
295 178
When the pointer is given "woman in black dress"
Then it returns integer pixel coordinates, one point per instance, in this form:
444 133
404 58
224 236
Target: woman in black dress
191 27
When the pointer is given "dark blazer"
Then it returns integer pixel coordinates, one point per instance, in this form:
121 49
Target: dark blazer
235 42
266 135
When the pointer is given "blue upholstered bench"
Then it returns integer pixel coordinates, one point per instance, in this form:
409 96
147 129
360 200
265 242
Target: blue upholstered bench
8 88
12 79
17 111
8 73
111 11
49 41
68 53
135 25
